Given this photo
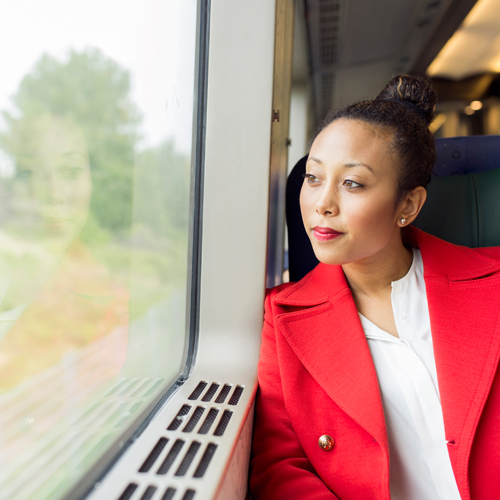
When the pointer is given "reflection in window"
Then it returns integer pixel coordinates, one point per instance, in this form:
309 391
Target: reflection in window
93 242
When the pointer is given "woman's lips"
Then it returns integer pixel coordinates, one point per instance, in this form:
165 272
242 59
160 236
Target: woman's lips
56 222
325 233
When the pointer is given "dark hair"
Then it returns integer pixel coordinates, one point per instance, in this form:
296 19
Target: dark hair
405 107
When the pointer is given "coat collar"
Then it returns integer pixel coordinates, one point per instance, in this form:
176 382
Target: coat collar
324 330
448 261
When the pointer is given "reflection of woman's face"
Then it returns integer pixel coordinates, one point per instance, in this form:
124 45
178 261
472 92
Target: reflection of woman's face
53 186
349 193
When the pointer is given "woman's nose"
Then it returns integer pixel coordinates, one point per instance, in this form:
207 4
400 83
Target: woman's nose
326 204
51 189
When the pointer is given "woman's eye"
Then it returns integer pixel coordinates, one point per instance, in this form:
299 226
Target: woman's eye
27 173
70 172
348 183
310 178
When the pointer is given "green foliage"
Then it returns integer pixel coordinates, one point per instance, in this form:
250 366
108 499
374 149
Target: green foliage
91 90
162 181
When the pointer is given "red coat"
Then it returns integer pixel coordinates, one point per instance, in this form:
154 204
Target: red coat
316 377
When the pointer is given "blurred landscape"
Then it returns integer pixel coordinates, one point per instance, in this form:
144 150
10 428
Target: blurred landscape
93 269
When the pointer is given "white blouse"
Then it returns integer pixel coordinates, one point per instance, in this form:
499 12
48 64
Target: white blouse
420 467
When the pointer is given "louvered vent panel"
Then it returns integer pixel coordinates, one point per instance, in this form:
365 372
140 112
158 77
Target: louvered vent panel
129 491
188 459
235 398
197 392
324 26
224 421
209 420
329 26
172 455
195 417
210 393
155 453
148 494
179 418
189 495
169 494
223 394
205 460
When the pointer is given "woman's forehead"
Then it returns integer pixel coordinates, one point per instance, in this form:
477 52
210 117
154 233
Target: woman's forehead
352 139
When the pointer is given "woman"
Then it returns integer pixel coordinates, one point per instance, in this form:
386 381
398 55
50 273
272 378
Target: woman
378 373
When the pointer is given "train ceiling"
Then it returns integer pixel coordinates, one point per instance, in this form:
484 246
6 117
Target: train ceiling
356 46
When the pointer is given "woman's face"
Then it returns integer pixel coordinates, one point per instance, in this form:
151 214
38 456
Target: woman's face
348 199
53 185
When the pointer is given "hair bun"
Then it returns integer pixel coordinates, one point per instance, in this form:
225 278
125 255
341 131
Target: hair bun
416 90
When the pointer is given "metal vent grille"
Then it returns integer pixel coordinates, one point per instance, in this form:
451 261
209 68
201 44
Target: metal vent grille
170 458
186 448
205 460
223 423
189 495
210 393
329 31
155 453
223 394
195 417
197 392
179 418
324 26
169 494
188 458
129 491
235 397
149 493
209 420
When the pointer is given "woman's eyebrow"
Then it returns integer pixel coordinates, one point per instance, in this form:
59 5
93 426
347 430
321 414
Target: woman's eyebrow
351 165
311 158
347 165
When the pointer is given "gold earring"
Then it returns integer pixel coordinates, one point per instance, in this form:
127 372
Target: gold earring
403 220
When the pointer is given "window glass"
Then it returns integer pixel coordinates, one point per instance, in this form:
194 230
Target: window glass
96 101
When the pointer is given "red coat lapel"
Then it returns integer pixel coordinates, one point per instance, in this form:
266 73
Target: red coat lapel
463 293
328 338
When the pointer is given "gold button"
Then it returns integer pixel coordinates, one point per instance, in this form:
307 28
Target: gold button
326 442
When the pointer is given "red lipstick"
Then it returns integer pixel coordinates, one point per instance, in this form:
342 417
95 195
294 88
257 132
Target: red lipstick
325 233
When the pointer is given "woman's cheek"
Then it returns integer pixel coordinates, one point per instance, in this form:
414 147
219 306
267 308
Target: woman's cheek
306 205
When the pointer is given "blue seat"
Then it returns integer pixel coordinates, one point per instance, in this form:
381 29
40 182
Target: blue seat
463 199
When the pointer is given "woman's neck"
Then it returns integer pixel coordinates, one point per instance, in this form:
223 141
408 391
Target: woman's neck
374 276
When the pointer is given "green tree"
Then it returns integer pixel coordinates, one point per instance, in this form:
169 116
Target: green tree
162 180
91 90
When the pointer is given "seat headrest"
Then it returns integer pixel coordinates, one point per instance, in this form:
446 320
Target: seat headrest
463 209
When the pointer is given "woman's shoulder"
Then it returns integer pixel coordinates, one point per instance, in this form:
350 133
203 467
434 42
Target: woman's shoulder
453 261
317 287
493 252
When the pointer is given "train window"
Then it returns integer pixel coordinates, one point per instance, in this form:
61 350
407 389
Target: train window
96 177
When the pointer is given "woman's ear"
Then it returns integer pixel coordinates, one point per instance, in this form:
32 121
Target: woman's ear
410 207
